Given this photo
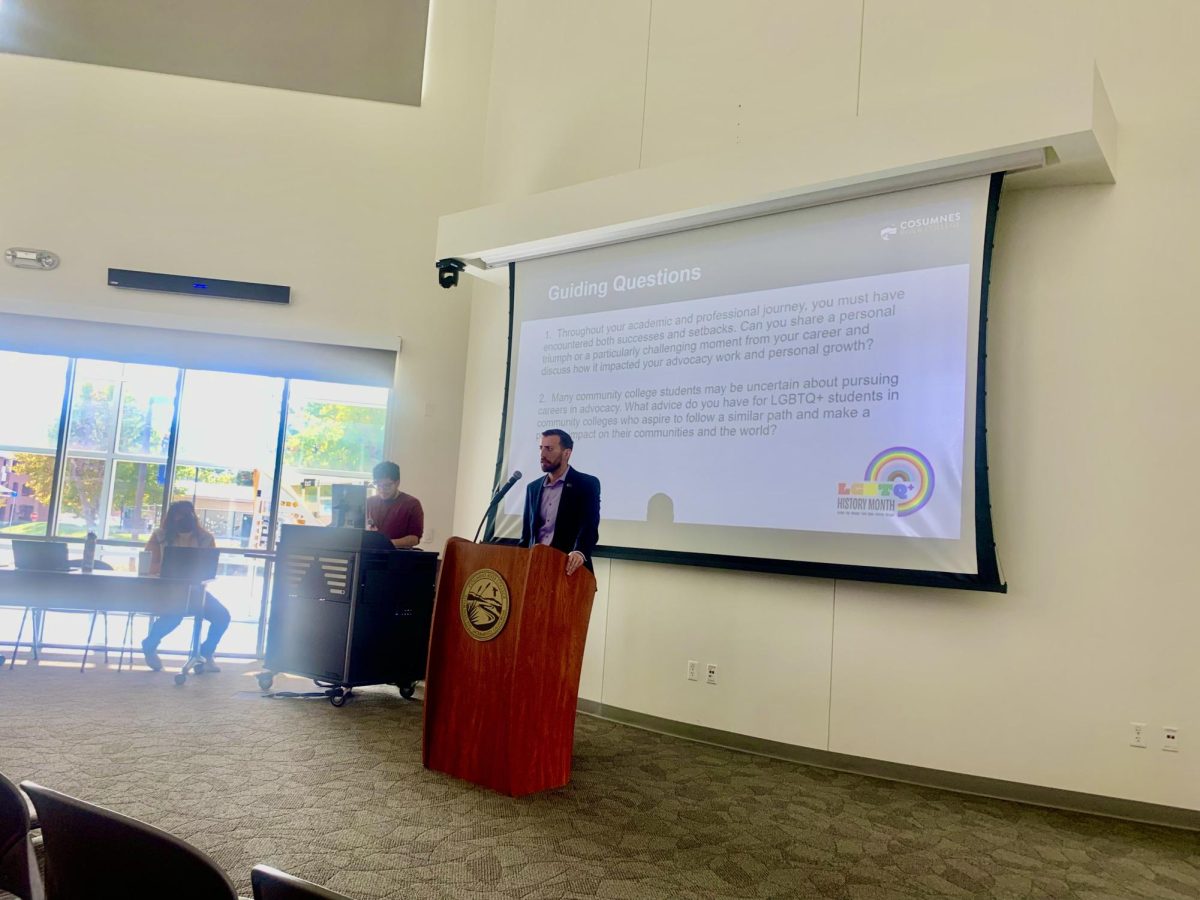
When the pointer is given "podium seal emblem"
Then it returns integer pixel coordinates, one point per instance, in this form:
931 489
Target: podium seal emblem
484 604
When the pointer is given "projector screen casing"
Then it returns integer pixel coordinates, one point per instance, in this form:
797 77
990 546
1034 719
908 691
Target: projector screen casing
975 503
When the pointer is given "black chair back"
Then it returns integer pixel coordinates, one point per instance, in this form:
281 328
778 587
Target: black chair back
194 564
271 884
18 866
94 852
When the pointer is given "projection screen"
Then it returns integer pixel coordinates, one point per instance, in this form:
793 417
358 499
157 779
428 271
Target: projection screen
800 392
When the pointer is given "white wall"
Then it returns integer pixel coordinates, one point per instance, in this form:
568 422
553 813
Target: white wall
338 198
1092 390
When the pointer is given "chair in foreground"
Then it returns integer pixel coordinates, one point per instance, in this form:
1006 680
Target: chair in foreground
94 852
18 865
271 884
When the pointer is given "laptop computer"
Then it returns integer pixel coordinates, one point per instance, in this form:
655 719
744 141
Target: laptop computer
193 564
44 556
314 537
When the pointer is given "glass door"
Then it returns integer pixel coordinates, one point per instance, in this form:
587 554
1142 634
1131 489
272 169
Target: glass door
225 465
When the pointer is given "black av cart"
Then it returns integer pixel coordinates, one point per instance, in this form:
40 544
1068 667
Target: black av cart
347 610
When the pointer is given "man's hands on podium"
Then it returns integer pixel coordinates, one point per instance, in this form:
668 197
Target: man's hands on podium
407 542
575 559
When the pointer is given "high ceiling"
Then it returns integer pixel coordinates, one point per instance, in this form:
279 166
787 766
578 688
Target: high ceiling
369 49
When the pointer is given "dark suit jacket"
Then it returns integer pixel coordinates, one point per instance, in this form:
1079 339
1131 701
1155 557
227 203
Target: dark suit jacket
578 524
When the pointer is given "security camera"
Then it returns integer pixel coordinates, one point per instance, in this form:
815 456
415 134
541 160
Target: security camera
448 270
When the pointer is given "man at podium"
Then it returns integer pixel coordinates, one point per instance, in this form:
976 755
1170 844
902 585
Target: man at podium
562 508
396 515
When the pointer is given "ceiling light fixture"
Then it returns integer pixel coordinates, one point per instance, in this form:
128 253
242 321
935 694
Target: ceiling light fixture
26 258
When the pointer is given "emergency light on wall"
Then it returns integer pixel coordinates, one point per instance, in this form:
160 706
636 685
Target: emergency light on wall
26 258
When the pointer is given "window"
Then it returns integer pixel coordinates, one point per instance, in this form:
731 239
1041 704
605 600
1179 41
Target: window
225 461
335 435
117 442
125 444
29 423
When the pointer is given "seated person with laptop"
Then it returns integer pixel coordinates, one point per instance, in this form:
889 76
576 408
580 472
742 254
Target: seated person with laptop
393 513
181 528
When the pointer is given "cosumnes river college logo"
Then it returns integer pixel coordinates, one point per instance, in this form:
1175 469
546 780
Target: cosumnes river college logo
898 482
484 604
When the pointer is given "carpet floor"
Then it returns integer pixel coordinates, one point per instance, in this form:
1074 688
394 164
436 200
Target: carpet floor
339 796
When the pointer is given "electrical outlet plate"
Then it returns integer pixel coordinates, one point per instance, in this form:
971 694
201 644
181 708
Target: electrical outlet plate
1137 734
693 670
1170 739
712 673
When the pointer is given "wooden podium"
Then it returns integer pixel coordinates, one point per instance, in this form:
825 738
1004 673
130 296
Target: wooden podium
500 708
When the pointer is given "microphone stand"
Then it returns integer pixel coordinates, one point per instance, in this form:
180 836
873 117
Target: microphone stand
495 501
487 512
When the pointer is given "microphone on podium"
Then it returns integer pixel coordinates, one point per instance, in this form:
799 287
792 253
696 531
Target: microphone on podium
496 498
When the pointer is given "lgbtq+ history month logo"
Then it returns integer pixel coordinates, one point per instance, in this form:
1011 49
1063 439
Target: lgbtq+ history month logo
898 482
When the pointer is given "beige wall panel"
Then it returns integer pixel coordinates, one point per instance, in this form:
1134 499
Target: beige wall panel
1091 368
483 403
723 74
370 49
567 90
769 636
337 198
591 679
923 49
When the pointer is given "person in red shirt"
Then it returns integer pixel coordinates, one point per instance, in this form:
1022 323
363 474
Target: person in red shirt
395 514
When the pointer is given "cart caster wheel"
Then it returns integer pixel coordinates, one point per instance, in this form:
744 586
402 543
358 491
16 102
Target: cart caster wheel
180 678
265 680
337 697
407 691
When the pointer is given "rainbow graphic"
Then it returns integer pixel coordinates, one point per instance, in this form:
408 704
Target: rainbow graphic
909 473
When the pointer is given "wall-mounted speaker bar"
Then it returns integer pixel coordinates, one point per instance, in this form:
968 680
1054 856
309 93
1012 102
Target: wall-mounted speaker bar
199 287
